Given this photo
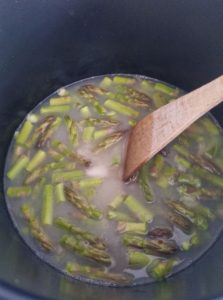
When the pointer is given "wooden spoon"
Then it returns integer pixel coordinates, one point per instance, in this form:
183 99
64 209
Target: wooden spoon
159 128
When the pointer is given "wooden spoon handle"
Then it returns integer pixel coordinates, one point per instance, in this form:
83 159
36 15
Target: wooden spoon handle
156 130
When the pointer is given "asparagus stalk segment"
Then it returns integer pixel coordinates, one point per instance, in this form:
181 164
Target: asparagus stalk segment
44 138
59 190
24 133
35 228
194 241
54 109
17 167
104 123
162 268
82 204
157 165
109 141
37 159
80 247
85 93
212 178
41 131
19 191
154 245
59 146
67 176
91 238
119 216
72 129
160 232
180 221
97 273
141 212
137 259
47 206
60 100
189 179
138 98
34 175
117 201
132 227
143 179
121 108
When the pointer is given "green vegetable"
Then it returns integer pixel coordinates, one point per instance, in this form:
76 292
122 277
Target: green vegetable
24 133
157 165
47 205
143 180
118 216
161 268
89 182
106 82
120 108
67 175
59 191
189 179
132 227
212 178
117 201
60 100
88 134
36 160
54 109
109 141
138 260
161 87
19 191
193 241
17 167
85 111
72 130
123 80
141 212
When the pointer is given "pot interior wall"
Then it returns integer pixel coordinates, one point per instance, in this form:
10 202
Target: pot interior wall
48 44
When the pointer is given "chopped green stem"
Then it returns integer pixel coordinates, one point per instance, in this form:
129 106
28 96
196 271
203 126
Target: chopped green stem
72 130
40 132
157 165
189 179
162 268
90 182
37 159
132 227
17 167
38 187
88 95
180 221
60 100
123 80
82 204
80 247
167 176
35 175
77 231
109 141
210 126
85 111
121 108
118 216
137 259
19 191
47 206
24 133
182 163
117 201
44 138
100 122
143 180
67 176
96 273
211 178
35 228
88 134
55 155
160 232
106 82
161 87
59 191
98 134
159 99
154 245
193 241
141 212
55 109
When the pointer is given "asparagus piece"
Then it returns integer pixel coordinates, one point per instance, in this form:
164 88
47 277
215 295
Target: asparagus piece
90 182
80 247
85 111
118 216
54 109
36 160
211 178
35 175
143 180
84 92
116 161
121 108
162 268
100 122
60 100
189 191
123 80
132 122
157 165
181 208
55 155
138 98
47 206
106 82
132 227
36 230
17 167
72 130
96 273
60 165
24 133
210 126
189 179
81 203
160 233
170 91
137 259
18 151
91 238
18 191
167 177
67 176
92 89
159 99
88 134
98 134
43 138
180 221
33 118
192 242
141 212
117 201
156 245
38 187
182 163
70 154
59 190
109 141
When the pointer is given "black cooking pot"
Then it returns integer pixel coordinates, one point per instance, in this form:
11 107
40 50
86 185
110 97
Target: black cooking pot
46 44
